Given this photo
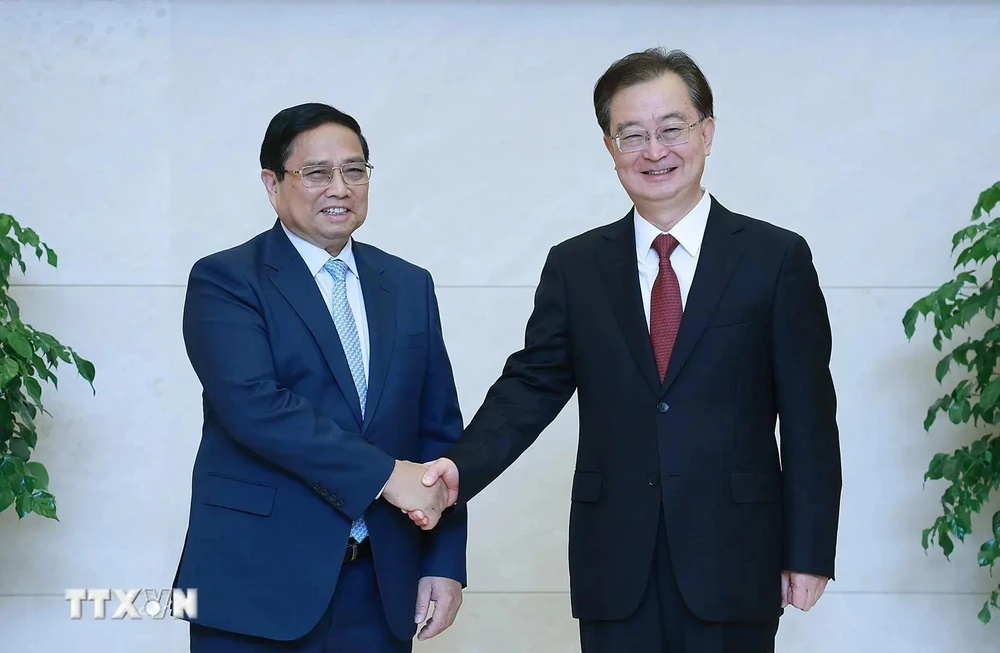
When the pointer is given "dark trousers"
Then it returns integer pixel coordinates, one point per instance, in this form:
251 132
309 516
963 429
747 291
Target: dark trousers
353 623
664 624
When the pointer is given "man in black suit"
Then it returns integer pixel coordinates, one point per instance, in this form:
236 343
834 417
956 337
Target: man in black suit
686 330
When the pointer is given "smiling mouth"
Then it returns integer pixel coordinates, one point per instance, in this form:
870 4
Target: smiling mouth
334 211
658 173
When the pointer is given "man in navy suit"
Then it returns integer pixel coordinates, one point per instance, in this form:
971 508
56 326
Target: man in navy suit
324 371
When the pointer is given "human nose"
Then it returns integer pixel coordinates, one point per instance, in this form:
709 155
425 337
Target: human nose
337 187
655 150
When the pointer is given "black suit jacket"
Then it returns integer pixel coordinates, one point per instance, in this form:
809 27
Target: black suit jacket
754 343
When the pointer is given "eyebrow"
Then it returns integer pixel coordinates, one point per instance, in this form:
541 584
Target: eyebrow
327 162
677 115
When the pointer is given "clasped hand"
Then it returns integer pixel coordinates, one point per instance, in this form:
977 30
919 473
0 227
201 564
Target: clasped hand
409 491
423 491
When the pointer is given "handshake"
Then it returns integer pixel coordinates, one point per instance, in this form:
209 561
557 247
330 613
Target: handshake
423 492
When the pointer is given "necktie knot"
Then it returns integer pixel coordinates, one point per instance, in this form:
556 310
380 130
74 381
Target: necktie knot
336 268
665 244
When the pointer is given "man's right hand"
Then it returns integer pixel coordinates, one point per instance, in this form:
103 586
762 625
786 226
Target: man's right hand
438 472
408 490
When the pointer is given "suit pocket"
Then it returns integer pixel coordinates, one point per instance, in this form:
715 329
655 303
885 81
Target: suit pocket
755 487
735 315
410 341
237 494
587 486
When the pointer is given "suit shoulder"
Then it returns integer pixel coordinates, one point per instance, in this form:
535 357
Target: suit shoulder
395 265
588 240
234 264
762 229
238 255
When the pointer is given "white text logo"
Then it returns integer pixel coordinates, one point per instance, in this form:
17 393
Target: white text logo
134 604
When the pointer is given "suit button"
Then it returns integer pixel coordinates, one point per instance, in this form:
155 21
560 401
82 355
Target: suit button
653 479
339 503
662 407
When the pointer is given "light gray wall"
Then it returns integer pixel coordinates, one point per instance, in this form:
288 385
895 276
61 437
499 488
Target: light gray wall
129 134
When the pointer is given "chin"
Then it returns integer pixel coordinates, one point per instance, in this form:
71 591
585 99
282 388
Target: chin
668 192
658 194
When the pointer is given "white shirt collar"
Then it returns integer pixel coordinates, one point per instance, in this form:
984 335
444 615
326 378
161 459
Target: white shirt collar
316 257
689 231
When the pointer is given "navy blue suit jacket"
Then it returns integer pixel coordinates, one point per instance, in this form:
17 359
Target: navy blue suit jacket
286 461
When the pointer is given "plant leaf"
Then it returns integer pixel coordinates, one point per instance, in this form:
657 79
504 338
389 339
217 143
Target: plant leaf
945 541
20 345
22 505
987 553
29 435
40 474
988 199
910 321
85 367
44 504
942 368
19 448
984 614
8 370
990 394
936 467
34 389
6 498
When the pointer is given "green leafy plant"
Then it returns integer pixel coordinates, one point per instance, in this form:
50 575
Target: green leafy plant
27 356
973 471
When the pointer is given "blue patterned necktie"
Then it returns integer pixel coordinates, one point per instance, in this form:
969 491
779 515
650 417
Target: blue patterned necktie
343 319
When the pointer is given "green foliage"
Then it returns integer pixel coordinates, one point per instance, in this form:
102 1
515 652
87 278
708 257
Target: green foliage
972 471
27 358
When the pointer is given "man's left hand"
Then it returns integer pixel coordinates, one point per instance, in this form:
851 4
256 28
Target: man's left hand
446 595
801 590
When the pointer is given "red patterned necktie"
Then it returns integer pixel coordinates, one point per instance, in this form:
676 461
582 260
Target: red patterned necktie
665 305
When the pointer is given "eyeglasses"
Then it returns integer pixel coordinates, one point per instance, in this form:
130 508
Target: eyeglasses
320 176
634 139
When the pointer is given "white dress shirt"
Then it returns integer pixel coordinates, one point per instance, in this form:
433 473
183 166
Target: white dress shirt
315 258
689 232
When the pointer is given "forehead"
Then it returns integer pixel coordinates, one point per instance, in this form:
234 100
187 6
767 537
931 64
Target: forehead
329 143
663 98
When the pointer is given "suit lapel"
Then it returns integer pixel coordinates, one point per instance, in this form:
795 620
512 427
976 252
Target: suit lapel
617 263
293 280
721 251
380 306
